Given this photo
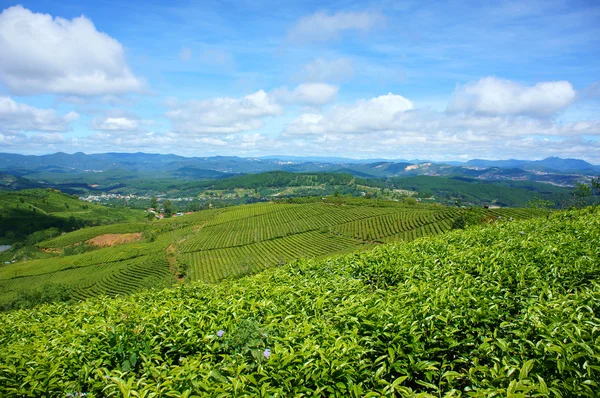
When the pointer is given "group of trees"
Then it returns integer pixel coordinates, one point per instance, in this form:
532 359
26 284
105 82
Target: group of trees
167 207
584 191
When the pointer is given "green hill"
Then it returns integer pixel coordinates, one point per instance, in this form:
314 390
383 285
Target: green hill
509 309
27 211
217 244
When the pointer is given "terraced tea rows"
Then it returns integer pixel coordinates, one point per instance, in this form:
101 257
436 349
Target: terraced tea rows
397 224
128 276
217 264
216 244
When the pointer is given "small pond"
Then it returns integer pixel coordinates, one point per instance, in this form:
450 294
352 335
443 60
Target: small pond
4 248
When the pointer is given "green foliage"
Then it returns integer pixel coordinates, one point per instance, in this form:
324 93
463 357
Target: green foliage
33 298
472 216
538 203
410 201
280 179
39 236
168 208
509 309
471 191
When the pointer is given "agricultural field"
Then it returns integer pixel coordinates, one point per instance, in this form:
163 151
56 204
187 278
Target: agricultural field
505 309
218 244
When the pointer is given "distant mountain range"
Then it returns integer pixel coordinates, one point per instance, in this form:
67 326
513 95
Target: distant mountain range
551 164
116 167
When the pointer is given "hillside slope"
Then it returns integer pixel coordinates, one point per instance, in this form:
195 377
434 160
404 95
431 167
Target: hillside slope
213 245
510 309
27 211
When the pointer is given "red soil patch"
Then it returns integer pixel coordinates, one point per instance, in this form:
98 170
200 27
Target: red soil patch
49 250
114 239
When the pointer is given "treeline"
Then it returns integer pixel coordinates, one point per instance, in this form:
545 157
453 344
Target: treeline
470 190
279 179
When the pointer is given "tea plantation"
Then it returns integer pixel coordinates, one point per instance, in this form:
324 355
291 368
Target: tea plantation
507 309
213 245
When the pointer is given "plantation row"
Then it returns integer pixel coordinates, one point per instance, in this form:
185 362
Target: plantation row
216 244
79 272
509 309
285 220
392 225
130 276
218 264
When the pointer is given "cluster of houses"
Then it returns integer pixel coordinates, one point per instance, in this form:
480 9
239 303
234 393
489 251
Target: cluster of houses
107 196
160 213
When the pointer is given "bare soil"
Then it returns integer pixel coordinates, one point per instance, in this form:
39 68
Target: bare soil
114 239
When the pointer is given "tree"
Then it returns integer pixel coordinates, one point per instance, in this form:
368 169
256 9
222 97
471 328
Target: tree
538 203
595 184
580 193
153 202
168 208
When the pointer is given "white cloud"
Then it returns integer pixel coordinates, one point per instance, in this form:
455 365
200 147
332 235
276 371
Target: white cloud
155 142
222 115
388 126
493 96
377 114
45 55
311 94
322 26
322 70
17 117
48 138
185 54
8 139
119 123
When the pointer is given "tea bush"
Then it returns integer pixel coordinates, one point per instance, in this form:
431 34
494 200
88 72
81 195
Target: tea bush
510 309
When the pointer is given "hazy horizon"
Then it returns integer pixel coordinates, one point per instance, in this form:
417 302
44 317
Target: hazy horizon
358 80
301 157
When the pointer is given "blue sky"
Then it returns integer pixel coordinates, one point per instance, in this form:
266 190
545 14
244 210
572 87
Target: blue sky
441 80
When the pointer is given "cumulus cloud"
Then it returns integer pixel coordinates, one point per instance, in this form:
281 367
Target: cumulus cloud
45 55
375 114
222 115
389 126
49 138
17 117
322 70
493 96
322 26
395 115
8 139
119 123
164 142
311 94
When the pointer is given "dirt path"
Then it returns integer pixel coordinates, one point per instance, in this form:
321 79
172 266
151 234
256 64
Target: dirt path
171 253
